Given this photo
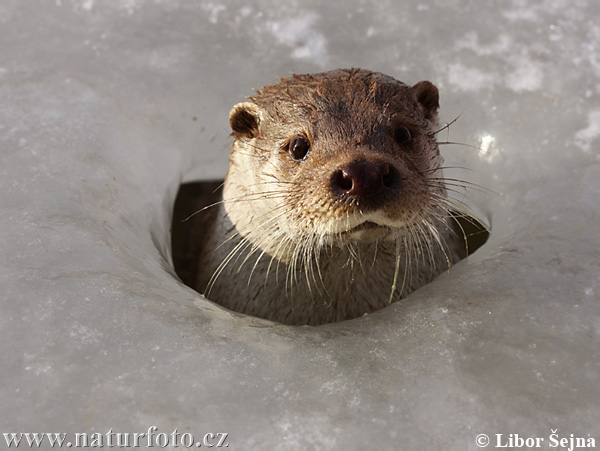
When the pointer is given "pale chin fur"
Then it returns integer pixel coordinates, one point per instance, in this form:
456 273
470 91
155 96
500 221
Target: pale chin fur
375 217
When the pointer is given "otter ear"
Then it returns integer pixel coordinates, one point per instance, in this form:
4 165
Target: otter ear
428 96
244 119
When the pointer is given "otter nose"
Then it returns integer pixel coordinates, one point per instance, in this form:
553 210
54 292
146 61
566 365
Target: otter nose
364 178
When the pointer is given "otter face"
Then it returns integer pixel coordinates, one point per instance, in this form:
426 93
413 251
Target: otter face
341 157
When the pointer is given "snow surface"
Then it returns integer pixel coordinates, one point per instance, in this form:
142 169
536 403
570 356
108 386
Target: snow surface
106 107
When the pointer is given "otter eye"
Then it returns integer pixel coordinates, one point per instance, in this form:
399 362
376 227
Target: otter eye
403 137
299 148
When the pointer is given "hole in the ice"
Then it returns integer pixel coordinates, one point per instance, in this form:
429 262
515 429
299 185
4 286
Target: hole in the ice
189 234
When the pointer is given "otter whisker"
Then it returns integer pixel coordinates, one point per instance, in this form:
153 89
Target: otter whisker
441 143
446 126
463 183
442 168
396 271
202 210
243 244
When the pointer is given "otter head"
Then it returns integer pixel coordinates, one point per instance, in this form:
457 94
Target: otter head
334 158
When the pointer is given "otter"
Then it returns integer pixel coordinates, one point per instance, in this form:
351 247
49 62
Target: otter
334 204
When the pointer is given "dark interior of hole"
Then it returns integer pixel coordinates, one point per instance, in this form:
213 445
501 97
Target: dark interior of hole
476 234
186 230
187 233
